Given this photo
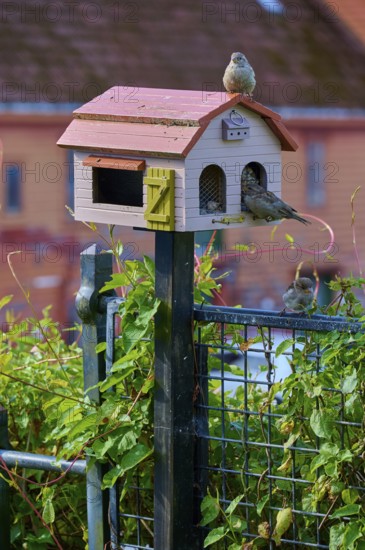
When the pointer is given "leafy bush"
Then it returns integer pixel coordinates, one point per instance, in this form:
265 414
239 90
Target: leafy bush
42 390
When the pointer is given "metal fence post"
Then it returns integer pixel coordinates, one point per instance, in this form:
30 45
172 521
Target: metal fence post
96 269
201 456
5 521
174 363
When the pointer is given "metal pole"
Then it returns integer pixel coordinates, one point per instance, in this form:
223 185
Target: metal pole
96 269
4 486
174 430
42 462
201 442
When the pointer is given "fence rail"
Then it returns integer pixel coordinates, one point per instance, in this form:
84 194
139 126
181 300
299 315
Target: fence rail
240 444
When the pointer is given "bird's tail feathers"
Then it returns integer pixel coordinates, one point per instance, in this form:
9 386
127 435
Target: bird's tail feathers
300 219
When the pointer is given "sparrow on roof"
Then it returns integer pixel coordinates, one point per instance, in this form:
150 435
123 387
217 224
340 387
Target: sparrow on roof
239 76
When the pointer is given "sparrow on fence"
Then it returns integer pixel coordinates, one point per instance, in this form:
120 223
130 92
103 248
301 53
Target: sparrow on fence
265 205
299 295
239 76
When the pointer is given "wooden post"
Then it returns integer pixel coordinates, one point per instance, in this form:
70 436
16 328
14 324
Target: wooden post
174 429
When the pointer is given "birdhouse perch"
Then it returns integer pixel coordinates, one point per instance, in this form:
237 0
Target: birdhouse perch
172 160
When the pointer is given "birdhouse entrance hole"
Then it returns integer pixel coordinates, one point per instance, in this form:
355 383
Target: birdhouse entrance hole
212 190
123 187
253 173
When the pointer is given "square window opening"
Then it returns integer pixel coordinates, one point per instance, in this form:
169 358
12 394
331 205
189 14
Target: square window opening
122 187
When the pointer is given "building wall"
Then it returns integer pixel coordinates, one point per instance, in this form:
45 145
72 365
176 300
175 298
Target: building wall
29 143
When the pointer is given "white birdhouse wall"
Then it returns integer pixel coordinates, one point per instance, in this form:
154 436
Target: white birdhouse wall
261 148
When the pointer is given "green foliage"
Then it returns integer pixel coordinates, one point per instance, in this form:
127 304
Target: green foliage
322 408
37 387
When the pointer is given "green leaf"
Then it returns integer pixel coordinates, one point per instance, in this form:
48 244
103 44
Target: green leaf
283 346
5 300
353 406
134 329
352 534
233 505
111 476
283 521
210 509
322 423
349 383
347 510
350 496
128 359
261 504
336 537
150 266
117 280
101 447
48 513
116 378
100 347
136 455
237 524
87 422
127 441
216 534
331 468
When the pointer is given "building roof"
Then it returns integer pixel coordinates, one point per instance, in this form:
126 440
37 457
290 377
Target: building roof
157 121
71 52
353 16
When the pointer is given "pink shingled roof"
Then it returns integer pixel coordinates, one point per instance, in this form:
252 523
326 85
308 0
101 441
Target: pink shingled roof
156 121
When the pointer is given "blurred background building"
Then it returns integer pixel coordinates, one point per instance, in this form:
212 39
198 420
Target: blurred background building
309 59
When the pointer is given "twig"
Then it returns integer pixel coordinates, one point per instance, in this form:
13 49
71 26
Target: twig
328 513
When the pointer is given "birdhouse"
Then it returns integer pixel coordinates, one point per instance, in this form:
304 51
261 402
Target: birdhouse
173 160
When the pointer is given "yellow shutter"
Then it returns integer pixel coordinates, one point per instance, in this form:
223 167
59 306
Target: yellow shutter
160 212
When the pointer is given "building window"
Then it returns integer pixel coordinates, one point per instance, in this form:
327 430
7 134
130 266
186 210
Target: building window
13 180
315 174
212 190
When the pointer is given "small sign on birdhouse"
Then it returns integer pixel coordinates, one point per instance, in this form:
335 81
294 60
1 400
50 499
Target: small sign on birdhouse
173 160
235 127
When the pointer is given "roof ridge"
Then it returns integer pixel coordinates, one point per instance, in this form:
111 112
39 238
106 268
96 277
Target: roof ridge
165 106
